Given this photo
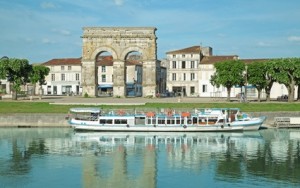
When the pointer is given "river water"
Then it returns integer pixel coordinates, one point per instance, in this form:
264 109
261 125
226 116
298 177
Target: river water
58 157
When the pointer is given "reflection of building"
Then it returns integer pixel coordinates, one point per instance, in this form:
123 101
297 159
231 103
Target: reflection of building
120 165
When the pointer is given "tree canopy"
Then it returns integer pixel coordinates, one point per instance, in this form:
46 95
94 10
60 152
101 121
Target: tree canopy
19 72
286 71
256 76
228 74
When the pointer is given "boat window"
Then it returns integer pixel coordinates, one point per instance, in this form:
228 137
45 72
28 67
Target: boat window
177 121
221 121
194 120
212 120
105 121
161 120
120 121
202 120
171 121
150 121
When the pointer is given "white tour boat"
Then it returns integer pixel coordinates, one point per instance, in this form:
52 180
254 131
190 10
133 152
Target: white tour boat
164 120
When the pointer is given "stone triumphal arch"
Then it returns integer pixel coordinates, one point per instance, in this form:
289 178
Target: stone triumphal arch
119 42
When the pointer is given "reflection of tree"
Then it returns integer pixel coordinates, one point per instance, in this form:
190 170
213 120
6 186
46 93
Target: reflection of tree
37 147
265 164
230 166
19 162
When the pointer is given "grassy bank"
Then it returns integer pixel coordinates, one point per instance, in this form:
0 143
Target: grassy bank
44 107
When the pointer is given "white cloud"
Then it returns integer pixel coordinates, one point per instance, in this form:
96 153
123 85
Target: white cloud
47 41
62 32
119 2
294 38
263 44
48 5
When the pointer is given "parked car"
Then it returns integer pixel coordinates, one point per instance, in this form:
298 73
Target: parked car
282 98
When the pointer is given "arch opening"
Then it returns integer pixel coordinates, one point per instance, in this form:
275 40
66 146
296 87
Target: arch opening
104 74
134 74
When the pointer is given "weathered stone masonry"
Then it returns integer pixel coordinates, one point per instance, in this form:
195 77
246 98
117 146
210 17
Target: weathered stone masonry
119 41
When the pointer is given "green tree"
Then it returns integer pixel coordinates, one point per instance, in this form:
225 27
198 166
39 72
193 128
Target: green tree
38 75
256 76
287 71
269 79
228 74
16 71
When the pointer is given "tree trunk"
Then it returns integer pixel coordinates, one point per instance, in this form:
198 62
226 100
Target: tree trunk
258 95
40 92
268 91
268 98
228 94
14 95
298 93
291 91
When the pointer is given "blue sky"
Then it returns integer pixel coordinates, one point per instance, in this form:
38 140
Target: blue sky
40 30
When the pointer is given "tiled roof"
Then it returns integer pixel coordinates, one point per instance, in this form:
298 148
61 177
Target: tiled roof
215 59
103 61
108 61
64 61
247 61
190 50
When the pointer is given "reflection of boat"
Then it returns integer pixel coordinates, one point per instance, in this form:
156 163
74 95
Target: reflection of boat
210 140
198 120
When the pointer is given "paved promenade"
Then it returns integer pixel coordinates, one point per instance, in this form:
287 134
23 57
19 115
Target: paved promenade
122 101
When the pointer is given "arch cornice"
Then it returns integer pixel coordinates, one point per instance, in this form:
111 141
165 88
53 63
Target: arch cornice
131 49
104 49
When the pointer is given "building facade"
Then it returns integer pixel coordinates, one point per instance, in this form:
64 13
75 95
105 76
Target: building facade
65 77
183 71
189 71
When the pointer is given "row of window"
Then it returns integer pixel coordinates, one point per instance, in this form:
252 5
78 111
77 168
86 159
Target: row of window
110 121
103 68
77 77
182 55
184 77
63 77
63 68
184 64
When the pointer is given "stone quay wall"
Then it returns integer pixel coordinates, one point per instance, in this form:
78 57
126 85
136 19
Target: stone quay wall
59 120
33 120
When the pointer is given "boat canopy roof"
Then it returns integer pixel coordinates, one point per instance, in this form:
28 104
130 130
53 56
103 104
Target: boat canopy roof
85 110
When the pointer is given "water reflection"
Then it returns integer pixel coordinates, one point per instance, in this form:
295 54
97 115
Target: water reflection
106 159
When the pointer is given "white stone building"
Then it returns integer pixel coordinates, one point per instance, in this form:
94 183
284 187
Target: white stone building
189 71
183 71
64 77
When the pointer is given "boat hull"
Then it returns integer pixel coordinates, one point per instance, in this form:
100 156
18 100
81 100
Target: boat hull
200 121
143 128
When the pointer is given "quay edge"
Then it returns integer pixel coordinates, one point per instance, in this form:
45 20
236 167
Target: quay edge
59 119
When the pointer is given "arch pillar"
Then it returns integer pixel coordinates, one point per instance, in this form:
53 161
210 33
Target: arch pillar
149 78
119 78
89 78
